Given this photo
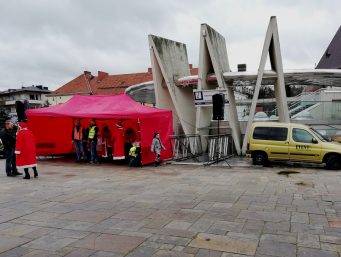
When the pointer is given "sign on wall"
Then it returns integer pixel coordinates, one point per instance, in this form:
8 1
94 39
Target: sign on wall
204 97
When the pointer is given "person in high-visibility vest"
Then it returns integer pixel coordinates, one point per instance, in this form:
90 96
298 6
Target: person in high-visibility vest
77 136
134 153
93 134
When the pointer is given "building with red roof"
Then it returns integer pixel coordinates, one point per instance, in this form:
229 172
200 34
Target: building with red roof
105 84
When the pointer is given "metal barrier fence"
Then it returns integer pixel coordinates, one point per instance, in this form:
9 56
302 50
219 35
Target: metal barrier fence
185 146
220 147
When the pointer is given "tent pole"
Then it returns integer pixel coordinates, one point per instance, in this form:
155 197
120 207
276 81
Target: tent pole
139 135
73 129
138 129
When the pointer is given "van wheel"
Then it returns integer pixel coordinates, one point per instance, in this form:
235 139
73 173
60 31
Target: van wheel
333 162
259 158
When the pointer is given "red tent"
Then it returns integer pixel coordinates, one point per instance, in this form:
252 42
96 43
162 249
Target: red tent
52 126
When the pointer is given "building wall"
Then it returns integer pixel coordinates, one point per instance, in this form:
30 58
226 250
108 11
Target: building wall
327 105
54 99
36 99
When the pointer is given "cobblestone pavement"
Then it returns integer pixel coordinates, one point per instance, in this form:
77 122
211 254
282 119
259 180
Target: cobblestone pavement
174 210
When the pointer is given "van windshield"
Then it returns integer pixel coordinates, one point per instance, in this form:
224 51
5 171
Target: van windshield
321 137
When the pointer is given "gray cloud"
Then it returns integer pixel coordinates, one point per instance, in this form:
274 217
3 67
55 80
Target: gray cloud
51 42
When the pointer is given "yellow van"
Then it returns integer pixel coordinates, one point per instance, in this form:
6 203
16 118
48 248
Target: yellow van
293 142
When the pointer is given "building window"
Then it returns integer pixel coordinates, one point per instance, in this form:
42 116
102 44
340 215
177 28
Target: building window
31 97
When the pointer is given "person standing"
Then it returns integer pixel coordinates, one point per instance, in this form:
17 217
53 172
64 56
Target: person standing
85 138
25 150
133 154
8 138
77 136
156 148
93 135
107 141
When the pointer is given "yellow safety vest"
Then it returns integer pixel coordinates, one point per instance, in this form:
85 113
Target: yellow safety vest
92 132
132 151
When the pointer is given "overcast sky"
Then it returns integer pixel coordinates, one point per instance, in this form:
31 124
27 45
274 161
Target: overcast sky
51 42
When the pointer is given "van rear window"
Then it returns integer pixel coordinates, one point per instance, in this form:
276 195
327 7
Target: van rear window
266 133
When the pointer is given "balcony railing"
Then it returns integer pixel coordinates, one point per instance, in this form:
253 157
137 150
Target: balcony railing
12 102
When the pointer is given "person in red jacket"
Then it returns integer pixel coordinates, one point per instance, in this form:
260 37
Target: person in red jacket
25 150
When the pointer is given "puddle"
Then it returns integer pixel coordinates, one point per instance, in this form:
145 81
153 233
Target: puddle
304 184
287 172
167 173
301 184
50 173
69 175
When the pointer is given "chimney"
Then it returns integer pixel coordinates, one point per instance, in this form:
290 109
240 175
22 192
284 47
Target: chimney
190 66
88 77
150 70
88 74
101 75
241 67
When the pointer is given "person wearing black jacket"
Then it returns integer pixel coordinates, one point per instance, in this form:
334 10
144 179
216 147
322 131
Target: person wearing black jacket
8 140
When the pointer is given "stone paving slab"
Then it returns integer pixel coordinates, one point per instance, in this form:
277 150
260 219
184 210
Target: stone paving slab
86 216
50 243
18 230
308 252
107 210
225 244
276 248
9 242
264 216
80 253
110 243
16 252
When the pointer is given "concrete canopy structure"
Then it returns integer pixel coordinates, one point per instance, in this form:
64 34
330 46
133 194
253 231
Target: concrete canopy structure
317 77
169 63
169 60
213 58
271 47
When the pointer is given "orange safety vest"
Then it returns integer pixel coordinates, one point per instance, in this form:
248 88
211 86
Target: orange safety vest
77 135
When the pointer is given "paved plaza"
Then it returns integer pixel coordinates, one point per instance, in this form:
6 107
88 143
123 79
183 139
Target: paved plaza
85 210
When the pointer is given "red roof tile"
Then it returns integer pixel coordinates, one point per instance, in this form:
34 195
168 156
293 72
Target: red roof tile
75 86
105 84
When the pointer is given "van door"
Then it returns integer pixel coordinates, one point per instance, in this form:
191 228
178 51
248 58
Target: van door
273 140
304 146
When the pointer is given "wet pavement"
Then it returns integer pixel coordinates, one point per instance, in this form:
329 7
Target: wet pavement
78 209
